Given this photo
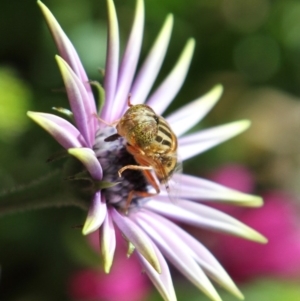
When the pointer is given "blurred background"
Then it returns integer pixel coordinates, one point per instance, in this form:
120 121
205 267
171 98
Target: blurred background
252 47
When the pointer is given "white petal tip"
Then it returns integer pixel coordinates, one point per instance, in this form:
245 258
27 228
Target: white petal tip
255 236
89 227
242 125
36 117
232 288
262 239
254 201
62 64
213 296
107 263
41 5
239 295
245 200
170 20
79 153
213 95
226 282
168 25
91 224
76 152
235 128
30 114
216 92
156 265
190 46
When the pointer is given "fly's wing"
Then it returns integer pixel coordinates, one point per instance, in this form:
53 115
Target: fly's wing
174 182
166 178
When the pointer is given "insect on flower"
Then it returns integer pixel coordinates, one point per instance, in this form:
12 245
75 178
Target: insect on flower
152 143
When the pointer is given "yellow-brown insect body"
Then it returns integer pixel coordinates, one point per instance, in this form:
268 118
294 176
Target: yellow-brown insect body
150 140
138 126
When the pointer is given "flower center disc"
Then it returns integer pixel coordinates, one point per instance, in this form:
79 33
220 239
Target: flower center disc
113 155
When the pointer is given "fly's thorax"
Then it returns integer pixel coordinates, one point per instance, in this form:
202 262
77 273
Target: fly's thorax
143 134
140 109
138 126
125 126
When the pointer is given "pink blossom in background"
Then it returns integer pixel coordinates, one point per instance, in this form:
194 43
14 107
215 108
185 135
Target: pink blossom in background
235 176
125 281
278 220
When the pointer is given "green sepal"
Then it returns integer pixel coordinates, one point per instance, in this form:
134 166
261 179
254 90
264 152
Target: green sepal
96 185
65 112
83 175
57 156
101 95
45 192
104 184
130 249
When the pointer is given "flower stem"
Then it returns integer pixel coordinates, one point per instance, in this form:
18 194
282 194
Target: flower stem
45 192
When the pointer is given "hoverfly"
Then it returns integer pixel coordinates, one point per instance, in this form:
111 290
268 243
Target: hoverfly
152 143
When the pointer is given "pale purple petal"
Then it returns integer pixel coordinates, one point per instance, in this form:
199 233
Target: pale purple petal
64 45
88 158
199 142
163 281
186 117
150 68
69 54
168 89
201 254
60 129
107 242
129 61
112 62
96 214
137 237
203 216
78 96
201 189
176 253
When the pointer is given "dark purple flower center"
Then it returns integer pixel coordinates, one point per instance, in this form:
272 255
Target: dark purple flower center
113 155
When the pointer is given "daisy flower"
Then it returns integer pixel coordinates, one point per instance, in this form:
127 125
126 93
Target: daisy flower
149 223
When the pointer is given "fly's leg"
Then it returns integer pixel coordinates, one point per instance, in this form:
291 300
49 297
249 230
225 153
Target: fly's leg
128 101
133 167
150 178
111 124
142 194
145 168
114 136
